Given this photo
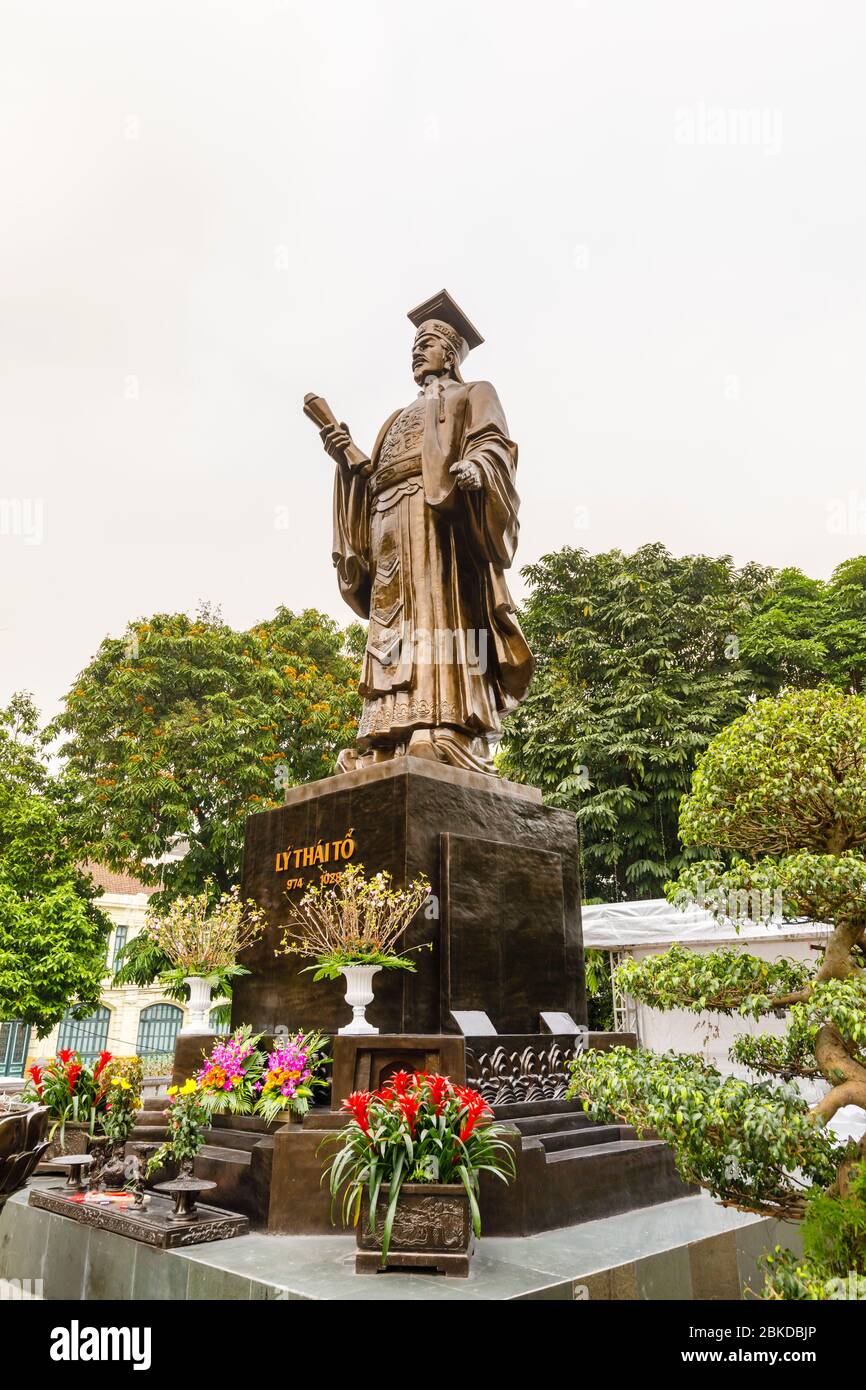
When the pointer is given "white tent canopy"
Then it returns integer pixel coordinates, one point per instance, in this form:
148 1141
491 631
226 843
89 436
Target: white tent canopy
656 922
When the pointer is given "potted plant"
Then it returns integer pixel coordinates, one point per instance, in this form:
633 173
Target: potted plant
121 1081
202 936
74 1094
408 1168
188 1117
240 1077
352 930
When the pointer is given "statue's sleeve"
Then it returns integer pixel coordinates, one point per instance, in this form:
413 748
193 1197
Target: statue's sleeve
493 510
351 548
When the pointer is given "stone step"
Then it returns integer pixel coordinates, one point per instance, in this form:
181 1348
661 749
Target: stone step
527 1109
595 1136
606 1151
326 1119
211 1153
243 1140
550 1123
148 1134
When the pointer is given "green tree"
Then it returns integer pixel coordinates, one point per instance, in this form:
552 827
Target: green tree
810 631
783 791
180 728
637 669
52 937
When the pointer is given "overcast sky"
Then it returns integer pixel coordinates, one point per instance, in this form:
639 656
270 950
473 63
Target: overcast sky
655 212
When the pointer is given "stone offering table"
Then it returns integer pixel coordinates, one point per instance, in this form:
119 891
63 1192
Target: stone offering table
155 1225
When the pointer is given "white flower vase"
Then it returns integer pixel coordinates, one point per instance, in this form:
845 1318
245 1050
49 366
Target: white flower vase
198 1010
359 993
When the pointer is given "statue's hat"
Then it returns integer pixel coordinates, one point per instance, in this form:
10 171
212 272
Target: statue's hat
441 311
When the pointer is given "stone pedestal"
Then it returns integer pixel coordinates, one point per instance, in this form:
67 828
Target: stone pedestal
504 927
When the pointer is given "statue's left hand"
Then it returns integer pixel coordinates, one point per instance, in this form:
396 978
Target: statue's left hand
468 475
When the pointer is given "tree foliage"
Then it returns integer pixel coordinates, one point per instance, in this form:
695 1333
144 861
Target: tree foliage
641 660
784 786
52 937
637 669
810 631
180 728
754 1145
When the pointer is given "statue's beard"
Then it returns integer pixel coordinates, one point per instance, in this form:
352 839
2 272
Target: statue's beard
421 373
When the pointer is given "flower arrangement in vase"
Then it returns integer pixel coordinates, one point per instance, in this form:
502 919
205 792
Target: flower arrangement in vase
121 1088
292 1074
352 929
120 1082
228 1078
202 935
238 1076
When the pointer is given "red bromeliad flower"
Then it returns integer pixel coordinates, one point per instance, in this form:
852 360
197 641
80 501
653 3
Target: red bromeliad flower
386 1094
439 1088
35 1072
358 1104
73 1074
65 1056
476 1109
409 1107
104 1057
467 1096
401 1081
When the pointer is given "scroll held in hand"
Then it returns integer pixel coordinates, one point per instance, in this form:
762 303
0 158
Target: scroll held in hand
316 408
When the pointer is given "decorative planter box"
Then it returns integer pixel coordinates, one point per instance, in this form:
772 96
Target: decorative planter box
432 1231
76 1140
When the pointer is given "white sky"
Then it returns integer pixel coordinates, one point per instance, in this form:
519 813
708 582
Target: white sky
220 206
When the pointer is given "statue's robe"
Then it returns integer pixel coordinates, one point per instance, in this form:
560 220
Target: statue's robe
424 561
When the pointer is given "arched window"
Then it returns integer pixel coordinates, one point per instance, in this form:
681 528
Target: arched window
158 1027
87 1036
14 1042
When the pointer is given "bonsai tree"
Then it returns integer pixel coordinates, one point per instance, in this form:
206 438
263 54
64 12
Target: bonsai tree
781 792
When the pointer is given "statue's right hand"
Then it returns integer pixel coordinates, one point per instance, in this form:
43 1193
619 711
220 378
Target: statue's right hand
336 439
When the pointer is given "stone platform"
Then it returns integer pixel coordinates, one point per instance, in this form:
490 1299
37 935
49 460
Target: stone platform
691 1249
567 1169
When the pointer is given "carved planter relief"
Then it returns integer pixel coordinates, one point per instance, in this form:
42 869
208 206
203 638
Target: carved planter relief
432 1229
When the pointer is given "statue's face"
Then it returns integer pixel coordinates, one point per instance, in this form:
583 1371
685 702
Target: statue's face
430 355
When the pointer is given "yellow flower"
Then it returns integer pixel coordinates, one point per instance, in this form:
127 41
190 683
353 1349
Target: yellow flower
172 1090
189 1086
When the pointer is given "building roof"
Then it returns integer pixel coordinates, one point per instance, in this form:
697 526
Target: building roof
111 882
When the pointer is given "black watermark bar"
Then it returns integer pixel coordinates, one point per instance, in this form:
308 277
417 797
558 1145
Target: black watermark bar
153 1338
